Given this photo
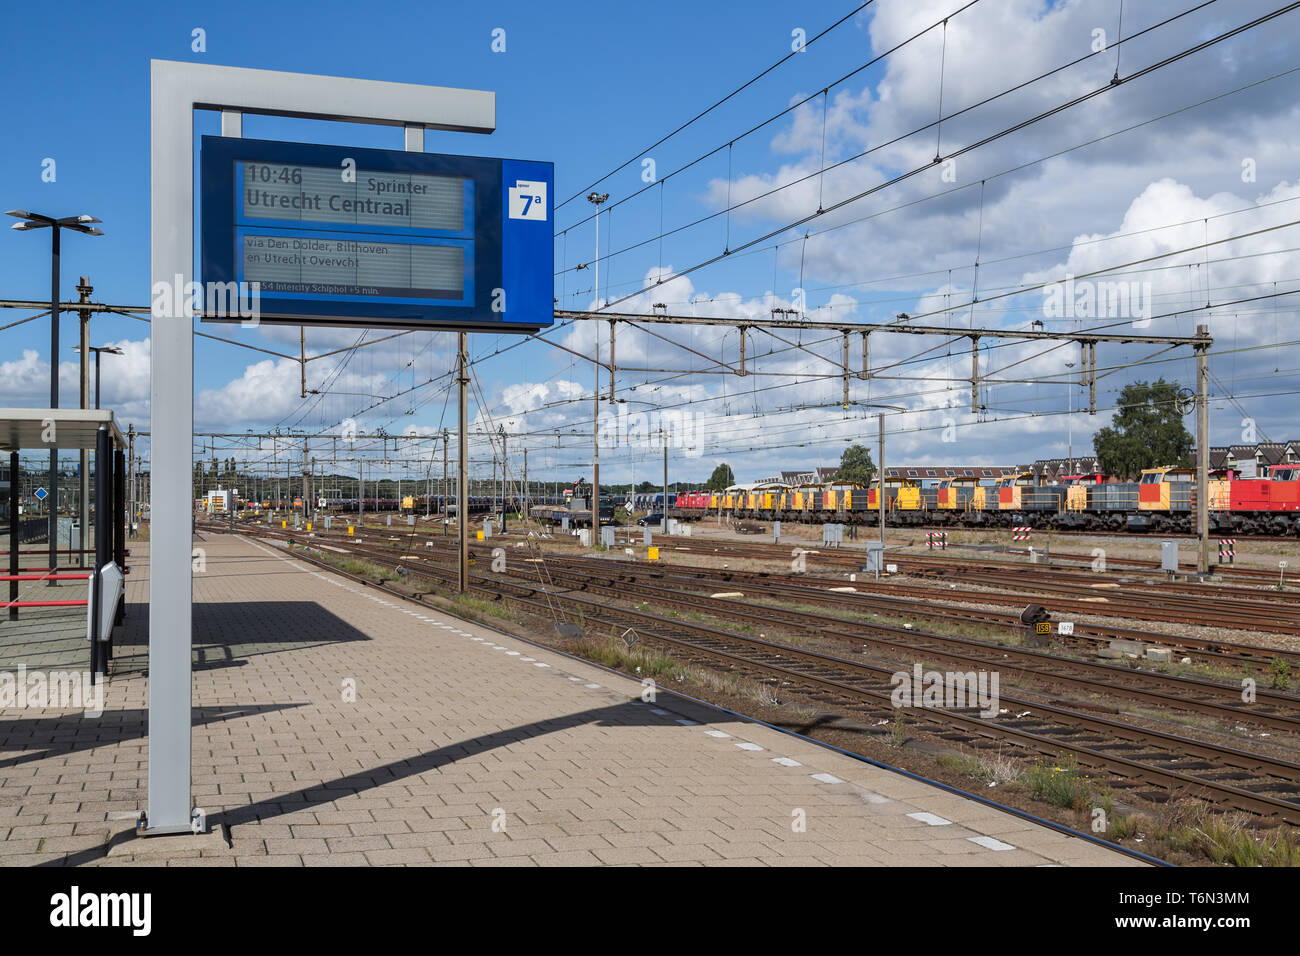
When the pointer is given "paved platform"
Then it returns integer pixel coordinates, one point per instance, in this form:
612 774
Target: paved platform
461 746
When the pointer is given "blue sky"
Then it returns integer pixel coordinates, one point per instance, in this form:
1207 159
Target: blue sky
588 86
564 89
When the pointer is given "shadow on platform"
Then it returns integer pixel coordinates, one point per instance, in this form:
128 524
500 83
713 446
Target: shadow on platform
630 714
221 633
62 734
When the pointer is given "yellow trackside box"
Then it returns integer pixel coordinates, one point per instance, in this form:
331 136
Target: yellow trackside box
653 555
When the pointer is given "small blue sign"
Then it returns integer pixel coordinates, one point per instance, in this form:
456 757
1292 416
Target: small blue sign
41 494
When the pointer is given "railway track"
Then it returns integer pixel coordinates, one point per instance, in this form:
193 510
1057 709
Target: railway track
858 598
1273 710
1060 590
894 598
1150 763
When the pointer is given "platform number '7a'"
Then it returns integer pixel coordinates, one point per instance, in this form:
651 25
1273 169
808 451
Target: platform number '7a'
528 200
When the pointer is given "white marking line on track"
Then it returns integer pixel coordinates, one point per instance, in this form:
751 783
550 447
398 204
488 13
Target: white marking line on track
932 819
659 710
826 778
990 843
748 746
786 762
687 723
592 686
719 734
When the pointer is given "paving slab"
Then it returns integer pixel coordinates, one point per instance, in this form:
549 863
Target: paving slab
336 724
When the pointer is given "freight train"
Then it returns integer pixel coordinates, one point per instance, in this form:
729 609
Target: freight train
1163 500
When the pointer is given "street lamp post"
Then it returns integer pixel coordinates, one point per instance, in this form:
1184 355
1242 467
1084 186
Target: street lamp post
98 350
82 224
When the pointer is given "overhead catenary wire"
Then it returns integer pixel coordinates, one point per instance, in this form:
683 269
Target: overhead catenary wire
993 137
887 143
705 112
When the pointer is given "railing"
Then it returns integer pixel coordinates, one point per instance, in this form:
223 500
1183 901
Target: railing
33 529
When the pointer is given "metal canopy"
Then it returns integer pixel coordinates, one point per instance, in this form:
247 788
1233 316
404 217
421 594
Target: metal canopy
55 428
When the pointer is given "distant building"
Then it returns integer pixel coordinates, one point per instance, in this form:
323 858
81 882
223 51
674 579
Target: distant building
923 474
1251 460
928 474
1248 460
1051 470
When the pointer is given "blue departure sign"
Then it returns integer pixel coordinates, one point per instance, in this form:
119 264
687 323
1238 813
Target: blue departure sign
333 235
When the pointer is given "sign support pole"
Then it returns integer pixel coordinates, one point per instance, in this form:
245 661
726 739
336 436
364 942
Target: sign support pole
176 90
